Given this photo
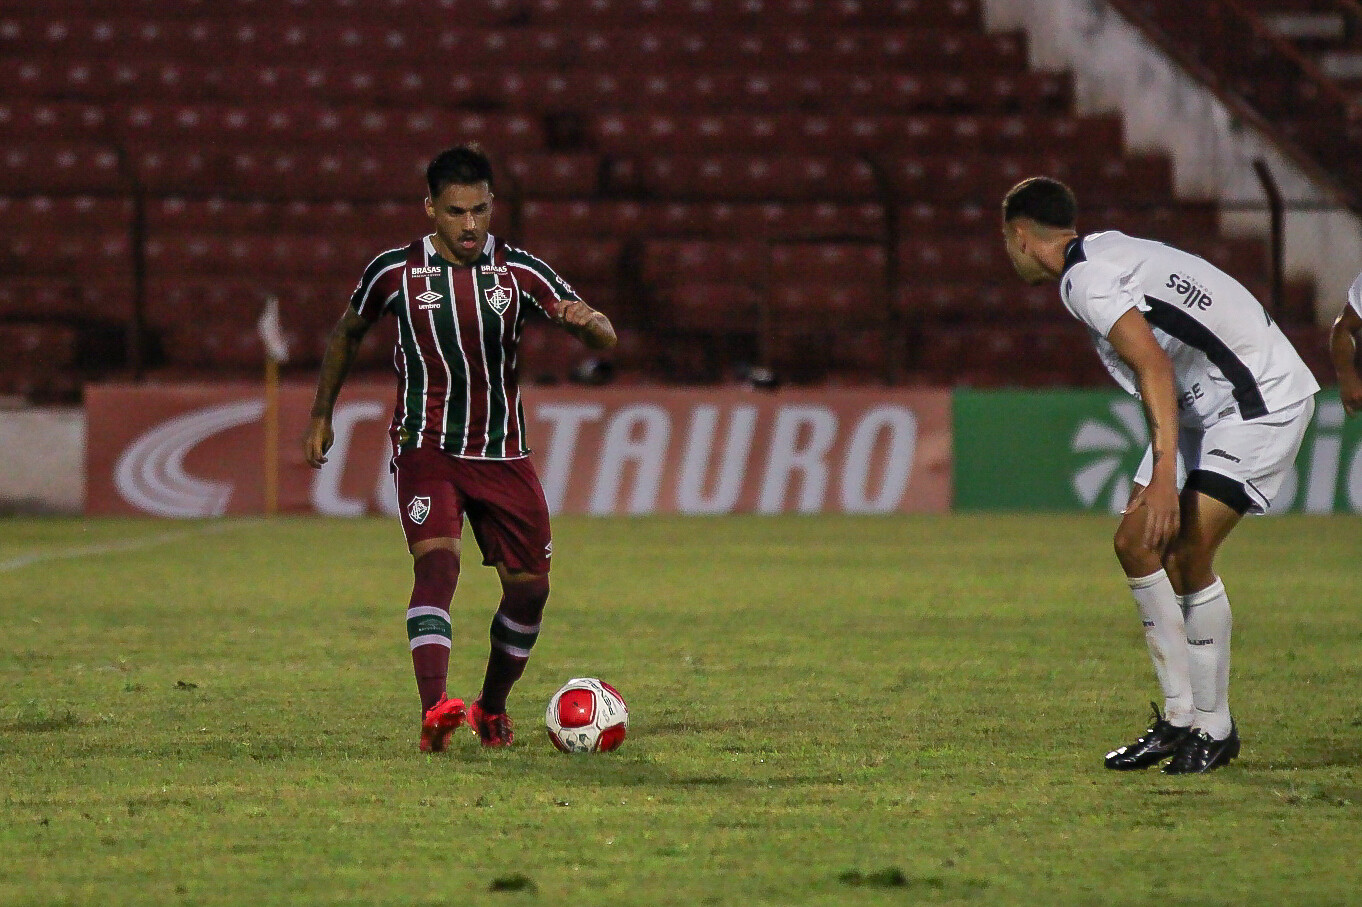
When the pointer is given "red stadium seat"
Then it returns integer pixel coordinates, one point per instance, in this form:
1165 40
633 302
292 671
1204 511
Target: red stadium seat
708 172
919 13
787 178
831 307
66 296
710 307
580 262
828 262
66 252
700 261
28 214
59 168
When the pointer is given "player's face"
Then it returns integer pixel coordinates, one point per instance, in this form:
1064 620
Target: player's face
1018 242
462 216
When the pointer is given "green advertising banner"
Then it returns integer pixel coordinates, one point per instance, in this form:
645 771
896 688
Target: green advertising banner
1078 450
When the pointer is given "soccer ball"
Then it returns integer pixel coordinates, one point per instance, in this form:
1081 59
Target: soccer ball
587 715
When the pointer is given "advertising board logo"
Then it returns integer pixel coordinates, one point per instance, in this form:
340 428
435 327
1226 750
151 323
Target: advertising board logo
150 473
1111 449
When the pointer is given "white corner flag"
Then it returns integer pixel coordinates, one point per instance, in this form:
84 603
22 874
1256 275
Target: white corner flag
272 331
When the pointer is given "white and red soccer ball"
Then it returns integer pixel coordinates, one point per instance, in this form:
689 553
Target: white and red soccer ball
587 715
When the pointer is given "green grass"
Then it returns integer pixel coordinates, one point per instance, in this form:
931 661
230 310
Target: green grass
824 711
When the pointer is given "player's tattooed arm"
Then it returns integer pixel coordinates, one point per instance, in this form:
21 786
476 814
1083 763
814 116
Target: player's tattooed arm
1343 352
1135 343
587 325
341 348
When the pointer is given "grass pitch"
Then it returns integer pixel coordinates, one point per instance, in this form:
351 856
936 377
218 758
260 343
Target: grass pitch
823 711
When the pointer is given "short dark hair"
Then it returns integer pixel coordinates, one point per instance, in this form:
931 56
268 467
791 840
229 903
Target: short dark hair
1046 201
466 165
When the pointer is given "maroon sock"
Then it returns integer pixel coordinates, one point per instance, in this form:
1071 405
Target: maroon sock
514 630
437 573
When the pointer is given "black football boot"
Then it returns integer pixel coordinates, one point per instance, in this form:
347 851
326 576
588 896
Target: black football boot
1159 742
1199 753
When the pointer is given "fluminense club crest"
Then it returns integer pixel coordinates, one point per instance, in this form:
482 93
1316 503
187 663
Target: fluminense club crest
499 297
419 509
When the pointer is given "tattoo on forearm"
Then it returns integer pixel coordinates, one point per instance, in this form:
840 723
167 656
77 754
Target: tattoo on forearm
340 354
596 333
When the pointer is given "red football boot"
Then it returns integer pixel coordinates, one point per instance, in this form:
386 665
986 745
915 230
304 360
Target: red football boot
440 721
493 730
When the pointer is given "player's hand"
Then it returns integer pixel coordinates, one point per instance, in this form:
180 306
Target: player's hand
577 314
317 441
1162 517
1350 392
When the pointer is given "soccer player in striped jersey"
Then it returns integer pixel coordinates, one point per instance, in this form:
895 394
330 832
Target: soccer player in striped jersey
1227 400
1343 349
460 296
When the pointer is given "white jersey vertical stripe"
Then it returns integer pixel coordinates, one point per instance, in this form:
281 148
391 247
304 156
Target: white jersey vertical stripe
467 384
504 377
514 364
486 371
425 372
444 362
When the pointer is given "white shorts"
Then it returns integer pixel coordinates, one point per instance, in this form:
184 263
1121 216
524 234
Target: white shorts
1241 464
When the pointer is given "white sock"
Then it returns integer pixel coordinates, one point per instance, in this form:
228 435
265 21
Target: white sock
1208 624
1167 640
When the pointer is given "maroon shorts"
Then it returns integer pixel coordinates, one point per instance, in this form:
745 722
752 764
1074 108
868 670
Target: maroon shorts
502 498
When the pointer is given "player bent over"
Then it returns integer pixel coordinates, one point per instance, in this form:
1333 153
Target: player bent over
1343 349
460 296
1197 349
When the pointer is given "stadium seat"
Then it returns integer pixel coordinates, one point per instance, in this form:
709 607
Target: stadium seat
59 168
827 262
701 261
710 173
632 133
737 177
39 214
66 253
710 308
920 13
66 296
829 307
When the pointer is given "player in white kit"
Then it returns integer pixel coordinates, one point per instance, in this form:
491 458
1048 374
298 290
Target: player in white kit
1227 399
1343 349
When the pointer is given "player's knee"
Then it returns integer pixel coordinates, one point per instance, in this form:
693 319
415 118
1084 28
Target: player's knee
437 569
1135 557
1190 563
527 586
524 595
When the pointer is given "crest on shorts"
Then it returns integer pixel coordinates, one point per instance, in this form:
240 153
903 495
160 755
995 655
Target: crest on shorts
419 509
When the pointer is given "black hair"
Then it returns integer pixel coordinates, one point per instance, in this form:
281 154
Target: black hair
1044 200
466 165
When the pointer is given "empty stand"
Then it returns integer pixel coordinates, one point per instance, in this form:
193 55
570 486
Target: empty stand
733 181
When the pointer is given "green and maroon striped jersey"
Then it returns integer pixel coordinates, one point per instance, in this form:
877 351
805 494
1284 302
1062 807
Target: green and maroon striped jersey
458 332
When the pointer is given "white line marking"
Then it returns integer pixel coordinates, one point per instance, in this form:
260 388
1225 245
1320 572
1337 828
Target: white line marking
151 541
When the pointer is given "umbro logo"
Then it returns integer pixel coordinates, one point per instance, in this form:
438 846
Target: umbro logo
426 272
429 300
548 549
1220 453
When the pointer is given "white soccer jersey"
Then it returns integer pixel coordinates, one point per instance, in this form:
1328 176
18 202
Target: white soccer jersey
1227 353
1355 295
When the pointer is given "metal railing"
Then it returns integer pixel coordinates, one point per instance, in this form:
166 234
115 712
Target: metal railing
1223 44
